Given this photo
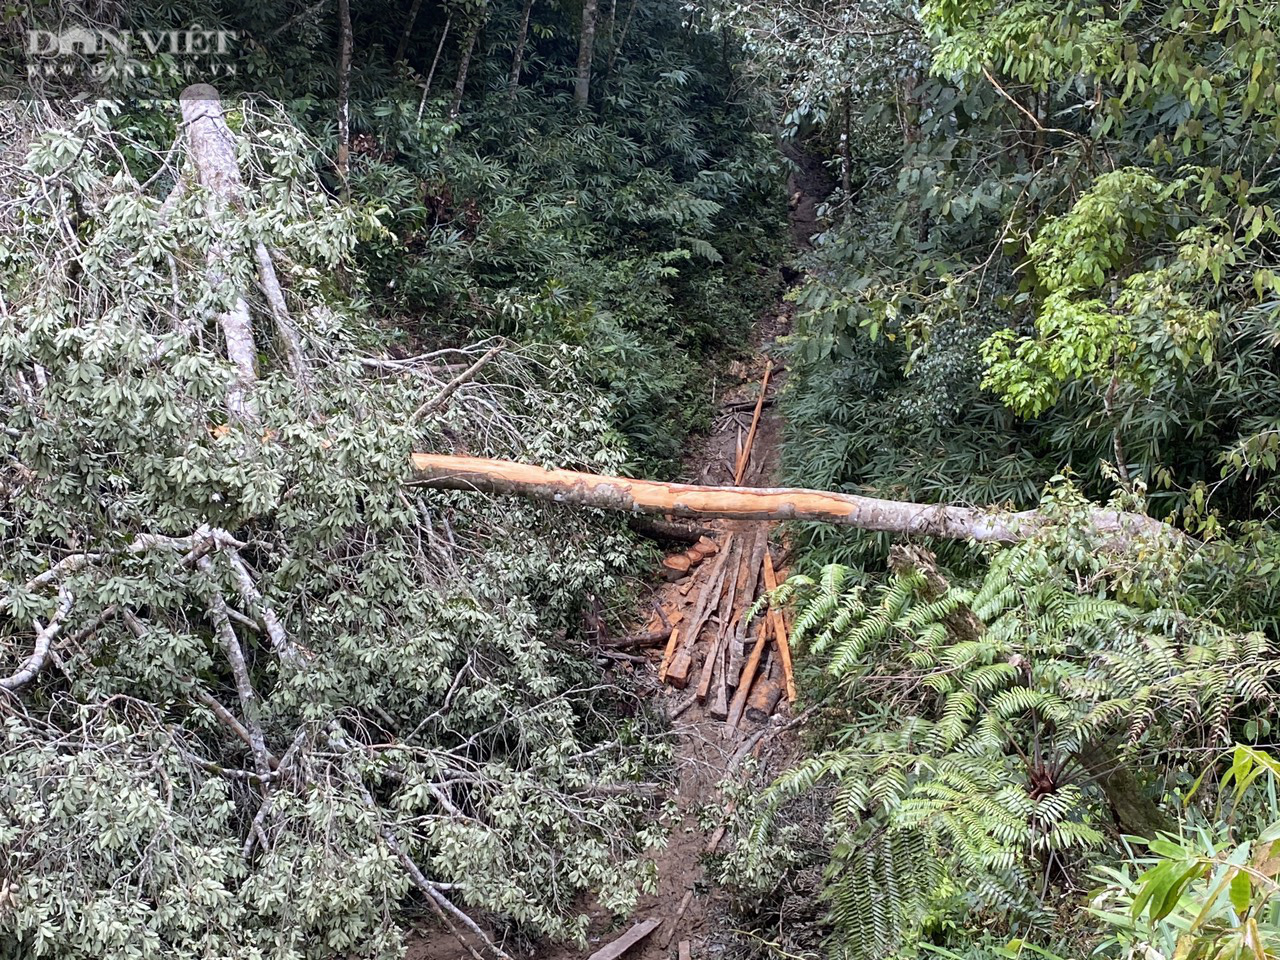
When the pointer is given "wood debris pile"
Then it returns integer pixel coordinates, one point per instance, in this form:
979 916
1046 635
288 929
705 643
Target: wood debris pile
736 664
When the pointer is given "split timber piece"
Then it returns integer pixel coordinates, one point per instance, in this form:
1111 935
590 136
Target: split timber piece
745 457
668 654
724 614
682 663
675 920
748 674
780 631
688 501
747 595
628 940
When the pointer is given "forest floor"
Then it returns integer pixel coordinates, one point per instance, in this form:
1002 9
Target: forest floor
707 751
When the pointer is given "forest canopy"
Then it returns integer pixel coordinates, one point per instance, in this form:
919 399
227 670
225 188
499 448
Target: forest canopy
266 691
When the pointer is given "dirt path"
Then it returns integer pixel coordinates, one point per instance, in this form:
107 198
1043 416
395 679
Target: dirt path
706 750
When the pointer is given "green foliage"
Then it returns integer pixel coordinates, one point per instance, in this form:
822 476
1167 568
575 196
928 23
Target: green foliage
416 706
969 730
1211 894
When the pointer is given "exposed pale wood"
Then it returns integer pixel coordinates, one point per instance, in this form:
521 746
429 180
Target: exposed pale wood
684 950
677 563
745 457
759 542
628 940
213 150
724 614
675 920
680 668
779 631
761 503
748 675
707 601
668 654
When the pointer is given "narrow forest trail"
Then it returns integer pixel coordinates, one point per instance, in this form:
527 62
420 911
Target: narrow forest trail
706 750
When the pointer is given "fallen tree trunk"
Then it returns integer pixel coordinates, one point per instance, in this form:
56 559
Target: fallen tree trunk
761 503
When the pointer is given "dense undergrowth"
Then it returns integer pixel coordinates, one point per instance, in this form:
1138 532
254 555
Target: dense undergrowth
1047 273
260 697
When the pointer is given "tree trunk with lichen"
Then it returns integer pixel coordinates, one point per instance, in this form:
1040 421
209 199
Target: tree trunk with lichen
691 502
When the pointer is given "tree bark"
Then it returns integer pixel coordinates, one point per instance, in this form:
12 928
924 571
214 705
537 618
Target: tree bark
846 155
586 47
403 46
344 96
762 503
517 58
435 62
464 65
214 153
616 46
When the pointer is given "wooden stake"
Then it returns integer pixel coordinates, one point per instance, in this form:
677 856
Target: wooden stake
745 457
668 654
628 940
675 921
780 630
748 674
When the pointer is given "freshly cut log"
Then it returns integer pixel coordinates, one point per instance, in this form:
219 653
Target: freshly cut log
780 631
676 565
745 457
748 675
669 654
762 503
628 940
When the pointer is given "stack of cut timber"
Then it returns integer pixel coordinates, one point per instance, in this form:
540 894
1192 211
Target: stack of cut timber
736 666
679 564
710 643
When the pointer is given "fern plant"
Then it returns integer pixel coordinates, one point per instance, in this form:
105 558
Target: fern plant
986 736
